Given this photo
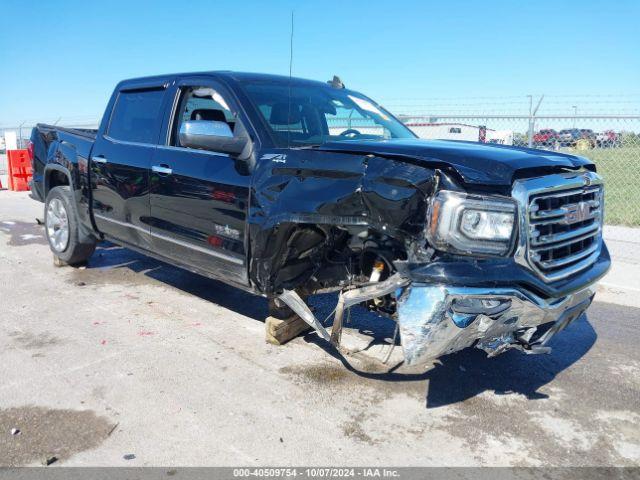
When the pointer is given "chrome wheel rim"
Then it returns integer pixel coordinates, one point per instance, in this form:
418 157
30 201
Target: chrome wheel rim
57 224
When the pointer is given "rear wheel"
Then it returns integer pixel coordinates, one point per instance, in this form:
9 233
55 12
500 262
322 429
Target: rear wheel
61 229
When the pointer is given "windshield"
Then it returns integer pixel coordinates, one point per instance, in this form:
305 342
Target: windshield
317 114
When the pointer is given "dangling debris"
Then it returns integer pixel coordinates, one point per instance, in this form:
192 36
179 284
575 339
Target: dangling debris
48 460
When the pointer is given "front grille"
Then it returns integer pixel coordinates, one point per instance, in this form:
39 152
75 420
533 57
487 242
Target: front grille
565 230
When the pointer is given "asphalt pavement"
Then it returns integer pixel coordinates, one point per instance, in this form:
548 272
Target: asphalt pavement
134 362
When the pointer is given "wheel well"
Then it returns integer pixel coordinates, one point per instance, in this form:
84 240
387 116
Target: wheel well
56 178
318 257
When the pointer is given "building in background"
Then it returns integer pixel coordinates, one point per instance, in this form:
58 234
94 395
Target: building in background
459 131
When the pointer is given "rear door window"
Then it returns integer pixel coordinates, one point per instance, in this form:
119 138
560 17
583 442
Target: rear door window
136 116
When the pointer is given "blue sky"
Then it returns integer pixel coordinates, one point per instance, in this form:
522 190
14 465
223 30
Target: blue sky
62 58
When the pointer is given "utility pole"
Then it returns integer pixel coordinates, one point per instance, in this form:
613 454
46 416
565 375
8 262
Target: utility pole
532 117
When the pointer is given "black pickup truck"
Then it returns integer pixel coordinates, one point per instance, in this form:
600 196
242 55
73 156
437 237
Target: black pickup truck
287 187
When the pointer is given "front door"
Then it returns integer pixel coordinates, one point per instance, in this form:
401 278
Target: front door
120 162
199 198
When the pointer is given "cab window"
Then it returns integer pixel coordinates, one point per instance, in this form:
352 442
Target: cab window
136 116
311 113
201 103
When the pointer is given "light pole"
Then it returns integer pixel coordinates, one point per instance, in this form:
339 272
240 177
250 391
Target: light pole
530 131
20 134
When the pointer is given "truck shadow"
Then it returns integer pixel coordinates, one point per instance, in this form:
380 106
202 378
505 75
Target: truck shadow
469 373
453 378
114 257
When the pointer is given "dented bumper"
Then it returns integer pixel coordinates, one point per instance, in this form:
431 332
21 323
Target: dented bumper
436 320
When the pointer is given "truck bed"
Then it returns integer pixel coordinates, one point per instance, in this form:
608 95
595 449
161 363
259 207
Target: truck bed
43 136
89 133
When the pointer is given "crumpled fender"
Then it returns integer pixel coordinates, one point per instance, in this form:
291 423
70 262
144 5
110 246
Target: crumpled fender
306 187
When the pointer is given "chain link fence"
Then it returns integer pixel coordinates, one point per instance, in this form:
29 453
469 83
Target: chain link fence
612 142
22 131
603 128
578 125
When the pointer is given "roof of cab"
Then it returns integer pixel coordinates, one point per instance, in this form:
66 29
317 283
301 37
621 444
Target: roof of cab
142 82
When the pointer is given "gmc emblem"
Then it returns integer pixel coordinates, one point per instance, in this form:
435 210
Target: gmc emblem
578 212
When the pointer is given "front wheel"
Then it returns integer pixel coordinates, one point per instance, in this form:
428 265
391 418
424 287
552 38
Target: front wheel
61 229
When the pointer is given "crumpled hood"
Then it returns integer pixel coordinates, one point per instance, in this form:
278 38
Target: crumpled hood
477 163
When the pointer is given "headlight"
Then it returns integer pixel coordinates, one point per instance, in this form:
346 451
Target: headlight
471 224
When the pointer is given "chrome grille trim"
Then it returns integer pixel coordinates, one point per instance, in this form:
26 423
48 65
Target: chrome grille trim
537 239
563 261
560 223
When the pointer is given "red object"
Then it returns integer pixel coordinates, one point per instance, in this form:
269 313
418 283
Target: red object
224 196
215 241
19 170
482 134
546 137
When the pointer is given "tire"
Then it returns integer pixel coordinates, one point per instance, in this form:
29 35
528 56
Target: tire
61 229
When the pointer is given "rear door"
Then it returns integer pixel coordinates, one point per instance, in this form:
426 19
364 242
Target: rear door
199 198
120 162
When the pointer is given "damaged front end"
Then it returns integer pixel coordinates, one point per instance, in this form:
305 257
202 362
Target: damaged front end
496 272
436 320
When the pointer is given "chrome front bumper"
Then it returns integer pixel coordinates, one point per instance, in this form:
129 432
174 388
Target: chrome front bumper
435 320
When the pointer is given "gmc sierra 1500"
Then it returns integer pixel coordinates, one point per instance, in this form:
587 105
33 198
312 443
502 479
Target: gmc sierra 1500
288 187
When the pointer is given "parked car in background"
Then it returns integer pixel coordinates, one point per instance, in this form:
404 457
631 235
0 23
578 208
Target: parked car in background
589 135
546 137
569 137
608 138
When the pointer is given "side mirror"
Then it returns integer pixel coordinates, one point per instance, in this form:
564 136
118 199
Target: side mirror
210 135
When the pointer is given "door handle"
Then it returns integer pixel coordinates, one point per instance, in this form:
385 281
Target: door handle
162 169
99 159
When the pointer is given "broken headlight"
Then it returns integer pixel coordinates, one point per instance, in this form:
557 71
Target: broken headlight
471 224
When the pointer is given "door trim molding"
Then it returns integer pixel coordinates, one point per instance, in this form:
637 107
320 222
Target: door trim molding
191 246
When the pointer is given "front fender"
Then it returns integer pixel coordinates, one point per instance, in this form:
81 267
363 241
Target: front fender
328 189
